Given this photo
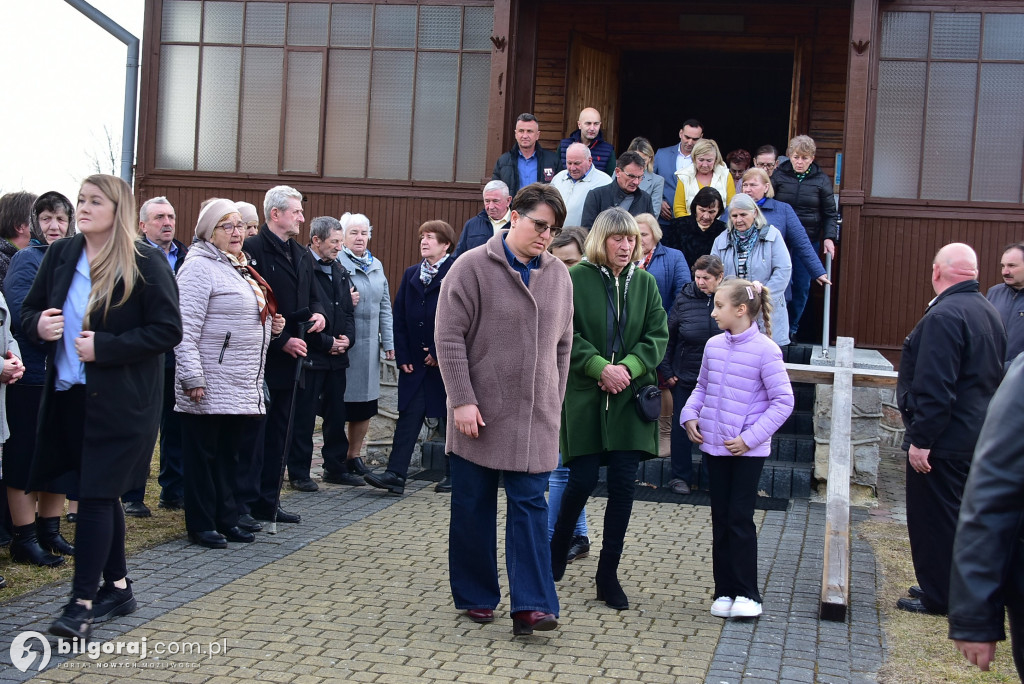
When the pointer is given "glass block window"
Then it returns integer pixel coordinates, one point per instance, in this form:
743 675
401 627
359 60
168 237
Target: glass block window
378 90
950 93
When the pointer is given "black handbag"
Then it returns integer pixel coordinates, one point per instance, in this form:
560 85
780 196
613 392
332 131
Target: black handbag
647 398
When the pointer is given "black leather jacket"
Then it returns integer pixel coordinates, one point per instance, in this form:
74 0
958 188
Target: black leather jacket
988 555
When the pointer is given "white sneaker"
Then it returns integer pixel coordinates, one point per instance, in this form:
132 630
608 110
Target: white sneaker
745 608
722 607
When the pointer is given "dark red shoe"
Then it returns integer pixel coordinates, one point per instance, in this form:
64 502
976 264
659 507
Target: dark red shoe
480 615
526 622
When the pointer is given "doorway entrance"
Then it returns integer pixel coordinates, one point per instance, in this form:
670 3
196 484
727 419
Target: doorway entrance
744 100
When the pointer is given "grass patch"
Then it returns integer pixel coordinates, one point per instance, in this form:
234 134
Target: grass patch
918 647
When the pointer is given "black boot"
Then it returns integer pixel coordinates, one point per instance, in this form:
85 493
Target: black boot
561 540
608 588
25 548
50 538
445 485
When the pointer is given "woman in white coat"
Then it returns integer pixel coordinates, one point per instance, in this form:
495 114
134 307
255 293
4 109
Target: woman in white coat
374 331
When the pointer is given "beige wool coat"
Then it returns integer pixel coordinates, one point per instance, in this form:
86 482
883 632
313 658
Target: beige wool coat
505 348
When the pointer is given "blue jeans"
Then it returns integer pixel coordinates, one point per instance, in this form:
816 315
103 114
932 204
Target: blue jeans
556 487
472 539
801 284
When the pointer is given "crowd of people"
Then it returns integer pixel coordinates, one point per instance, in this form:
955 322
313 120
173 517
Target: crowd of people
645 299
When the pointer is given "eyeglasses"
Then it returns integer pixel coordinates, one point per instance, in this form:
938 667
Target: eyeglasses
232 227
632 177
765 166
542 226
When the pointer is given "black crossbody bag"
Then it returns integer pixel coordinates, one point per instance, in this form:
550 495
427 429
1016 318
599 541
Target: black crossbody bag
648 397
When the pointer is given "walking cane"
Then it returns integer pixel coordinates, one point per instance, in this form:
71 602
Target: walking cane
300 363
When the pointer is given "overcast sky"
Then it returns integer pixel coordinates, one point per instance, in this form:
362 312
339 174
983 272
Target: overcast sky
63 81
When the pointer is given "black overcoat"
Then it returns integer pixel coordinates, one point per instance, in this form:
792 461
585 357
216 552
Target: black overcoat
415 309
124 385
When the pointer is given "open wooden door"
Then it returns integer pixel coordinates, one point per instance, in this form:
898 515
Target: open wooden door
592 80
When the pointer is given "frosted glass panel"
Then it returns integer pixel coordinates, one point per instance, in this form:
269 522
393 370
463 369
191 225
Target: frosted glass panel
476 30
176 109
264 23
440 28
390 114
351 25
473 100
905 35
222 22
395 26
218 108
1004 36
347 108
307 24
433 143
945 168
262 83
899 119
180 22
1000 134
956 36
302 116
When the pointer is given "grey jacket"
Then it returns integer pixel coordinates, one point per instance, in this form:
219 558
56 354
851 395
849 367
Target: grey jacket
374 330
223 348
769 262
7 343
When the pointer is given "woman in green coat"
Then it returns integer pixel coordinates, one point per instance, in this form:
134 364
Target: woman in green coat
620 333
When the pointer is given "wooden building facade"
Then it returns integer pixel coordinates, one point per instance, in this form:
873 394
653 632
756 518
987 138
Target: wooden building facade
398 109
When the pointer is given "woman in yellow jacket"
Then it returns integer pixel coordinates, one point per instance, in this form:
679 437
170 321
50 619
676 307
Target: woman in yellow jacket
708 169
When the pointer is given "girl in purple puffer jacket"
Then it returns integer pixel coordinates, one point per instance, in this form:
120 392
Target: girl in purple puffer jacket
742 397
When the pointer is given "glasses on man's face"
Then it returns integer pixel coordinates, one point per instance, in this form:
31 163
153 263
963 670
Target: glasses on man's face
632 177
231 227
542 226
767 166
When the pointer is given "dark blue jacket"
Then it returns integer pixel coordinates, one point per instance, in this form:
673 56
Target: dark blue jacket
690 326
1008 302
670 271
782 216
336 298
602 154
476 232
951 365
23 269
811 199
414 312
507 169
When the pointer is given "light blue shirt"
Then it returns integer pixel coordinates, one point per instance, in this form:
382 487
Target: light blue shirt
71 371
527 168
171 254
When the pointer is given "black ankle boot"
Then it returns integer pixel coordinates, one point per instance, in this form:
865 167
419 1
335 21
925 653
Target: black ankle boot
608 588
445 485
25 548
561 540
50 538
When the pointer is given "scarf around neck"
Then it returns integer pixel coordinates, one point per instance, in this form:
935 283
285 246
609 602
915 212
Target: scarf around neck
241 264
427 272
364 262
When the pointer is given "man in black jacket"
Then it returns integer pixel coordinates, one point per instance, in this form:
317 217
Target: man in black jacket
287 268
527 162
625 192
951 365
988 559
328 355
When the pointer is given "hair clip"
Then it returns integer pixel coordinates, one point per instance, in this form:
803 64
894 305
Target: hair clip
750 293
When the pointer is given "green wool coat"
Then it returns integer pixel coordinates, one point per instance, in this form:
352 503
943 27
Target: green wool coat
594 421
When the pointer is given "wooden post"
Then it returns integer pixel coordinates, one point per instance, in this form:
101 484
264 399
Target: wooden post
835 581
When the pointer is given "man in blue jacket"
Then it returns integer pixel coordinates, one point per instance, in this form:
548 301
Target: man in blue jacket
669 160
589 133
1008 298
527 162
488 222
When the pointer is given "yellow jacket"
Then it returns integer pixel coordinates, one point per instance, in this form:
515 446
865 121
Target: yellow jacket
687 187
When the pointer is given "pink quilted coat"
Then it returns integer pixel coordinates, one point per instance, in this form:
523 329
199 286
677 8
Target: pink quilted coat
743 389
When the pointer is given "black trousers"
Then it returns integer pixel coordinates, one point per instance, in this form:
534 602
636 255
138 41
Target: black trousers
210 446
172 478
99 546
250 463
733 534
621 474
1015 609
682 456
330 388
299 451
933 506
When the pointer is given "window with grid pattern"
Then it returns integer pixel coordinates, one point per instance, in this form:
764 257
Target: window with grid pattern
341 90
948 123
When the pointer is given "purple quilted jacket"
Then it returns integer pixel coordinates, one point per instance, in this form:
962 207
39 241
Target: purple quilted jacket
743 389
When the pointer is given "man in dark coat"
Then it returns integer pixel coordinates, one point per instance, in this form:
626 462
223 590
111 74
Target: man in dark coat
527 162
1008 298
287 268
588 132
988 561
488 222
951 365
328 354
625 192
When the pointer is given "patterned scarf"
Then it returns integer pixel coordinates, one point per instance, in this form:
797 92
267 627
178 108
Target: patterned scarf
364 262
744 242
258 285
427 272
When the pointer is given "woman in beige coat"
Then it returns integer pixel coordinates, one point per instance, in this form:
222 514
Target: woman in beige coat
228 318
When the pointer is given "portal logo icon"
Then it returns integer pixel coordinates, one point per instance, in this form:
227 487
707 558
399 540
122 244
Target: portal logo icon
23 654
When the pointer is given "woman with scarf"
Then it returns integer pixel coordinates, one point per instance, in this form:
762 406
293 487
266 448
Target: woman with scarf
35 515
752 249
620 333
420 387
374 329
228 317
